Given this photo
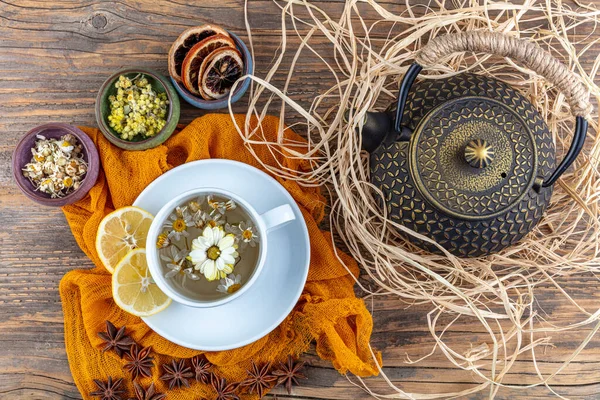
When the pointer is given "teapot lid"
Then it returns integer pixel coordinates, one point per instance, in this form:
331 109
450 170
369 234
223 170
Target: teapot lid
475 157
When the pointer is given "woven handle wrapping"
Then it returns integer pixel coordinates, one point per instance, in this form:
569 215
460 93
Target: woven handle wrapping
524 52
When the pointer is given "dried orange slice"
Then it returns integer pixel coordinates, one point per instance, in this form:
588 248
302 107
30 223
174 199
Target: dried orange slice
192 62
219 71
185 42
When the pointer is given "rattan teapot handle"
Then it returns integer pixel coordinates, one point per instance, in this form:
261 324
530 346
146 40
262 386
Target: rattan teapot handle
524 52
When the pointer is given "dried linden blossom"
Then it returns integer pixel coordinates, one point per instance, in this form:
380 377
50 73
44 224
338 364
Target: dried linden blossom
137 111
57 166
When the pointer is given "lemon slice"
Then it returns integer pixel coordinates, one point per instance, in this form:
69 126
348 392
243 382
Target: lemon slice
120 232
133 288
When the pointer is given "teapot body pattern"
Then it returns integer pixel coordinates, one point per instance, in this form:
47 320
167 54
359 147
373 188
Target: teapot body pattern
467 167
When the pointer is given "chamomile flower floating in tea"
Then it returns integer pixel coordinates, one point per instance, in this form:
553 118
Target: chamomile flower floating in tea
199 219
163 240
220 206
188 273
230 284
202 219
174 261
247 233
209 247
196 204
215 220
179 222
214 253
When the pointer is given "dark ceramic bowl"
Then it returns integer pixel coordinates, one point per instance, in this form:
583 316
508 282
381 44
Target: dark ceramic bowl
22 156
161 85
240 90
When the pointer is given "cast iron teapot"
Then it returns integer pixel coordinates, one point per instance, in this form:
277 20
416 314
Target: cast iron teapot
468 161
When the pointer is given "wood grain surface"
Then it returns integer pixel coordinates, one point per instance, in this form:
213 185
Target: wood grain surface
54 55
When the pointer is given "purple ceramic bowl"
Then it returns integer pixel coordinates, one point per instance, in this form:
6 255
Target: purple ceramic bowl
22 156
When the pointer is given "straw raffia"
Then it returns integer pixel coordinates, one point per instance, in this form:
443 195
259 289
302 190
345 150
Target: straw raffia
365 63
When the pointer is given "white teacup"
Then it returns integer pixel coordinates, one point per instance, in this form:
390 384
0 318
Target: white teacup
265 222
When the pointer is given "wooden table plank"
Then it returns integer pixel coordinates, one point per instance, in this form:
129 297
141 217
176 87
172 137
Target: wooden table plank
54 55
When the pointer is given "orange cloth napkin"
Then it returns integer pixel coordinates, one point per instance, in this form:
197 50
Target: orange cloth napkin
328 311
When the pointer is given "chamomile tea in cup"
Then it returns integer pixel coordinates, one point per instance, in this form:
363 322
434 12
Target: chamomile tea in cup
207 246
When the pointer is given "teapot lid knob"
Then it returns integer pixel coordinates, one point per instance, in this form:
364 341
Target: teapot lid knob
479 153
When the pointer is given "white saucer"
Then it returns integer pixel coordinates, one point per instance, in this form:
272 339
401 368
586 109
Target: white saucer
271 298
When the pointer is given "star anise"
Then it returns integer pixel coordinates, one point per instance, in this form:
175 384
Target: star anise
202 369
115 339
146 394
108 390
177 374
259 379
289 373
224 391
139 362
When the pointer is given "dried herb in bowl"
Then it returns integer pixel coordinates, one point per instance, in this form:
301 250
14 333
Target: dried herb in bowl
57 166
137 127
137 111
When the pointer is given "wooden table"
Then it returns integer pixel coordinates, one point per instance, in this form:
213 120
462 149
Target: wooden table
54 55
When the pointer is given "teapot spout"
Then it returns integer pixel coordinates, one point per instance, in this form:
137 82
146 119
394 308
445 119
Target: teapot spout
375 128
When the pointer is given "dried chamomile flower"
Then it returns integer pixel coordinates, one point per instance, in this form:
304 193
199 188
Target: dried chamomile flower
230 284
200 218
188 273
173 259
178 223
220 206
57 166
215 220
248 234
196 204
214 253
163 240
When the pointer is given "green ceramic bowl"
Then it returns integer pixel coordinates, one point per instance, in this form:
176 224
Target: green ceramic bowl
160 85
